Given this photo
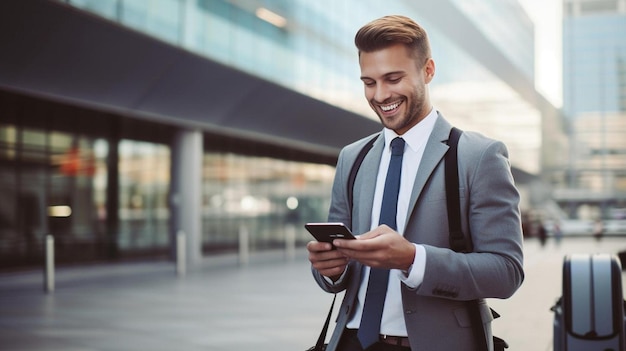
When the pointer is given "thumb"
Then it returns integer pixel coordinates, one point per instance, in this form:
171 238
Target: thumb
378 231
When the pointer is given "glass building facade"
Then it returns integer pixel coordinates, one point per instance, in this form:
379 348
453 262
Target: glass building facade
311 50
104 187
594 78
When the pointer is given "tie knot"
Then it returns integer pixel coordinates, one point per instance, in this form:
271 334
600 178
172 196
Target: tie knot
397 146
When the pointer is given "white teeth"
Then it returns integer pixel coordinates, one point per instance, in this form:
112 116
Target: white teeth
390 107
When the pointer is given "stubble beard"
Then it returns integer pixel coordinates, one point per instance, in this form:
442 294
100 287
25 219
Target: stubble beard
410 117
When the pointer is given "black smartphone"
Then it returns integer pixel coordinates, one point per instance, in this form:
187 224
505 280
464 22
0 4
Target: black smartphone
327 232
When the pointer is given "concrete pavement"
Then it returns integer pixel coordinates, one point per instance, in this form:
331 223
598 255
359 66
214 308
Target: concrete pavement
271 304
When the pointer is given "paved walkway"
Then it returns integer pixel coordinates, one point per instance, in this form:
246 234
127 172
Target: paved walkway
271 304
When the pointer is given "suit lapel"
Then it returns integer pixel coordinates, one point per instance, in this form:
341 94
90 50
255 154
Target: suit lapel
434 151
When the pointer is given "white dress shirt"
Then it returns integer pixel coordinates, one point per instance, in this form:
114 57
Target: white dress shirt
393 313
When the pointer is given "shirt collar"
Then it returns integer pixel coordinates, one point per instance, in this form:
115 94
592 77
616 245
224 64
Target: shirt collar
415 137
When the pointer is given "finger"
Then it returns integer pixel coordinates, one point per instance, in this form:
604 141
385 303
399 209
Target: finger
331 268
329 255
371 234
329 264
360 244
316 246
378 231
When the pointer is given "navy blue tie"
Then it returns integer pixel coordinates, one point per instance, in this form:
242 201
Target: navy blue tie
369 330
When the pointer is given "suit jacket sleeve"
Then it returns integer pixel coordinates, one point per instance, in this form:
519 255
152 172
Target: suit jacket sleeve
490 217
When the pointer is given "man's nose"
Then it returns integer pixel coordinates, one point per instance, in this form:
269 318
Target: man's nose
382 93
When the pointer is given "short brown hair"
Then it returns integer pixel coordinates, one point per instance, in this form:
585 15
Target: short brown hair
389 30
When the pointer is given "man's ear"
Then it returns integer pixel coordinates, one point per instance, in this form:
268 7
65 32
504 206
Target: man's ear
429 70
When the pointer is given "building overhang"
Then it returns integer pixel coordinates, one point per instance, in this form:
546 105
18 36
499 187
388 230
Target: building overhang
54 51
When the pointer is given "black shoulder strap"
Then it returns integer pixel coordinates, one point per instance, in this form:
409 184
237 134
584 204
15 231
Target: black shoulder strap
458 241
355 169
319 345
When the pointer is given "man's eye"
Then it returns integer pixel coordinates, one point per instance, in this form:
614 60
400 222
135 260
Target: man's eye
394 80
369 84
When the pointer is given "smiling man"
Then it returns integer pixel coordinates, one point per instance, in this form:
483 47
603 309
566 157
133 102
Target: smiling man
405 288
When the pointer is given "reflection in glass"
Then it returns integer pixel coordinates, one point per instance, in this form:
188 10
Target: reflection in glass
48 187
144 177
264 195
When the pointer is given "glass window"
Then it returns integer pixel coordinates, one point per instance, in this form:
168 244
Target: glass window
47 178
33 146
100 182
74 202
263 196
105 8
31 172
144 177
9 234
159 18
8 142
598 6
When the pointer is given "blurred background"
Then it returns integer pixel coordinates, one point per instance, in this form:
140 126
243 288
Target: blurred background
125 122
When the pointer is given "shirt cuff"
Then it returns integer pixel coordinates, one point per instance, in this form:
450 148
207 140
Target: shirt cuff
331 282
415 275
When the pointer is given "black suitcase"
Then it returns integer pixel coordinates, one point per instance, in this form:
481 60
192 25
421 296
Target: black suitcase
589 316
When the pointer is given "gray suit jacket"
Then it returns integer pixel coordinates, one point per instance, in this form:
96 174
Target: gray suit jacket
436 313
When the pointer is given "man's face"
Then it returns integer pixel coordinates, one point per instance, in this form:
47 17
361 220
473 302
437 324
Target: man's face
395 86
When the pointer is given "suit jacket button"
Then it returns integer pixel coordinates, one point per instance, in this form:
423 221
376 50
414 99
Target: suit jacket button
408 311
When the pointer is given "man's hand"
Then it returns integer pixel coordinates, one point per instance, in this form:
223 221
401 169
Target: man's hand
379 248
330 263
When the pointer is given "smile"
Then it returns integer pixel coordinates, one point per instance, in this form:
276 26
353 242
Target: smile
390 107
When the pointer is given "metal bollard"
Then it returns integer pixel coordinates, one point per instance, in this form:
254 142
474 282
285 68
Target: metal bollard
49 270
181 254
244 245
290 242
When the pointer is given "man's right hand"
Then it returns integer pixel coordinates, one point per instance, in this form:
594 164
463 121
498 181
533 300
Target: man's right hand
330 263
